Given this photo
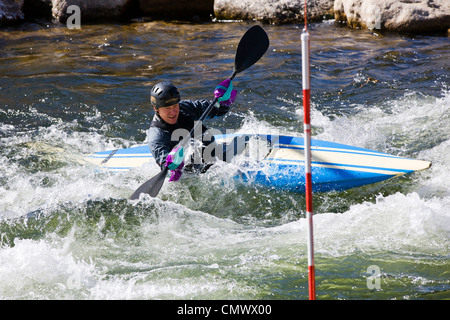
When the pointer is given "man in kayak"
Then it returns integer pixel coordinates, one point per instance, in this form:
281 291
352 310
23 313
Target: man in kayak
172 113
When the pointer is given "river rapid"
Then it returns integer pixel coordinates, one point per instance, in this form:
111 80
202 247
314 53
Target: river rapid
67 231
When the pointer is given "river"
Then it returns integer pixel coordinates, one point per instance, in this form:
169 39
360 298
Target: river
68 231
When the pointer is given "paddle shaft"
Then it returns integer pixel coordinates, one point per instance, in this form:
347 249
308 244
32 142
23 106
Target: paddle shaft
198 123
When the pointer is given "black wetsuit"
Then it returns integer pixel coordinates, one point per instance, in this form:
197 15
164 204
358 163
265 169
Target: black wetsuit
161 139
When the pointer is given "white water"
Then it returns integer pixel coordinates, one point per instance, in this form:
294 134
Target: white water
177 251
68 232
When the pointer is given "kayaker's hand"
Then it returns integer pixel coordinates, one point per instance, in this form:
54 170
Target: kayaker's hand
175 163
176 174
224 91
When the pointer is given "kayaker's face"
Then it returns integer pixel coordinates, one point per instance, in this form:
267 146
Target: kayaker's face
169 114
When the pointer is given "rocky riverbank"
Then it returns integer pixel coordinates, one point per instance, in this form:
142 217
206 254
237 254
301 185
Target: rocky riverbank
392 15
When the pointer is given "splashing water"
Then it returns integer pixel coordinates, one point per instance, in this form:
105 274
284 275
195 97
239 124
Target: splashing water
68 232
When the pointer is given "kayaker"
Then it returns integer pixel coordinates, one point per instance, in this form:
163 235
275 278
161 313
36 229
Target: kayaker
172 113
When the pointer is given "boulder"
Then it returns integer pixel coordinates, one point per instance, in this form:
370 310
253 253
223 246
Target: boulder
92 10
395 15
273 11
11 11
177 9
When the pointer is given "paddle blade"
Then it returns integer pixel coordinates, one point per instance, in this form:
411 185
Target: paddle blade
254 43
152 186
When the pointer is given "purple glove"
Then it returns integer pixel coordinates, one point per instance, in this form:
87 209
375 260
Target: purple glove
175 163
224 91
176 174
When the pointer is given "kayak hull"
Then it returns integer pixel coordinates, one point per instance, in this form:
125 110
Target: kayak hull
278 162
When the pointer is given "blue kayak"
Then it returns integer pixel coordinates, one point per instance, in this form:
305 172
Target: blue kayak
278 162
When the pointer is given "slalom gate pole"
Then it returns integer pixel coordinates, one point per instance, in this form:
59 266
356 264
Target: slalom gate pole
307 144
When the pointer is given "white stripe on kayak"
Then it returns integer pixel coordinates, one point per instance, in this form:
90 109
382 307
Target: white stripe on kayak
336 159
341 150
127 155
119 162
342 167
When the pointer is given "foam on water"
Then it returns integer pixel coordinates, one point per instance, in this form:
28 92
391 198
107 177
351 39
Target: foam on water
205 238
406 224
43 269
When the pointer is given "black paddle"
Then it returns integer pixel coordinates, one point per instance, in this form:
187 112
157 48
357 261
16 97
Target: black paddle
254 43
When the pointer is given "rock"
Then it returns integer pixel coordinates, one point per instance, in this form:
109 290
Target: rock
177 9
394 15
272 11
92 10
10 11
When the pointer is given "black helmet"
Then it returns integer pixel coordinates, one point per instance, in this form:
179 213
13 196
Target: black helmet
164 94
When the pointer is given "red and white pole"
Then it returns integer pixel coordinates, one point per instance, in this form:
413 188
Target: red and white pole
307 144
